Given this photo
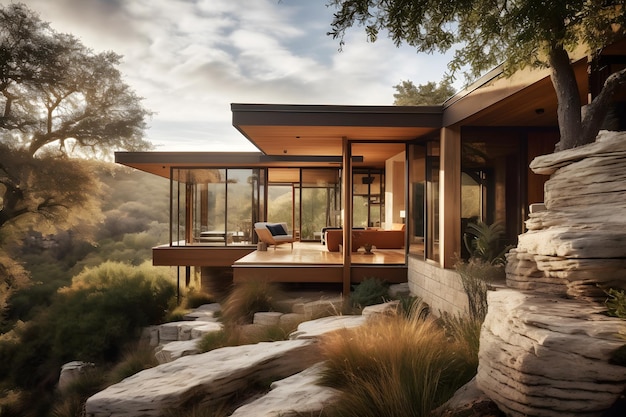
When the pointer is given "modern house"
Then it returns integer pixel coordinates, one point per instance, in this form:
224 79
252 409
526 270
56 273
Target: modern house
342 176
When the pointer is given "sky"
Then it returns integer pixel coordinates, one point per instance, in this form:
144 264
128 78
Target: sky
190 59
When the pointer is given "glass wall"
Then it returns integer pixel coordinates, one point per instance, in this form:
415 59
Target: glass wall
215 207
417 199
368 193
423 221
320 204
493 180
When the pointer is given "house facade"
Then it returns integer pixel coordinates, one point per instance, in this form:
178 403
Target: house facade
426 170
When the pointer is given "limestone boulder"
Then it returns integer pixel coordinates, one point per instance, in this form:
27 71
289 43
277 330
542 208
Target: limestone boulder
315 328
204 379
294 396
549 356
174 350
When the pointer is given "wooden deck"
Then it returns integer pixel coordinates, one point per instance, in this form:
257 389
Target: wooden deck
312 262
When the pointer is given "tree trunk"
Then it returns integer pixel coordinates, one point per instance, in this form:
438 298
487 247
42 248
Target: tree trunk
568 111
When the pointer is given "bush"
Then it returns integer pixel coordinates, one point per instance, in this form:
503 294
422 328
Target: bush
616 303
419 371
369 292
92 320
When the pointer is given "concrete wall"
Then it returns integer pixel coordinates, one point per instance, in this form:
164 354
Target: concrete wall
440 288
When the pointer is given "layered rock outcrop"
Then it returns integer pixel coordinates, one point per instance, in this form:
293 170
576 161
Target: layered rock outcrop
547 356
577 246
546 343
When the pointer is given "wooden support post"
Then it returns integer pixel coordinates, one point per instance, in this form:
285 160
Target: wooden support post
450 196
347 216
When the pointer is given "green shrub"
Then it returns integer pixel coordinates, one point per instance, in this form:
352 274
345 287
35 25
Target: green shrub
616 303
410 376
484 242
411 306
92 320
368 292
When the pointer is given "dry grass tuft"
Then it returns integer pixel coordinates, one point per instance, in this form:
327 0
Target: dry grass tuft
395 366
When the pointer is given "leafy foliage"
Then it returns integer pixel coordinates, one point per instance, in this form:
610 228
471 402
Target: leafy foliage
113 302
420 370
516 34
422 95
368 292
616 303
56 90
484 242
60 100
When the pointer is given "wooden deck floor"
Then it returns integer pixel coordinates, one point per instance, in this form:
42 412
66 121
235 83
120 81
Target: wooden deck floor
313 253
311 262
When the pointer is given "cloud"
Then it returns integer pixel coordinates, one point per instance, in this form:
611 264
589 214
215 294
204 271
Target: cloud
190 59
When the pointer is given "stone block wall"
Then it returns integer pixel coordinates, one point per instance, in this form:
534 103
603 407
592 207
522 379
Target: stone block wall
440 288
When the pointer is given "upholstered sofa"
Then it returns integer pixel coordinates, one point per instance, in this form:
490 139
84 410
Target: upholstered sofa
273 234
381 239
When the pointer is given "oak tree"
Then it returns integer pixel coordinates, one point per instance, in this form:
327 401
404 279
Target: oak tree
428 94
58 100
514 33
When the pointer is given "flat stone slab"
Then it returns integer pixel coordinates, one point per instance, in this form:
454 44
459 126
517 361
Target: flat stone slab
315 328
297 395
174 350
204 379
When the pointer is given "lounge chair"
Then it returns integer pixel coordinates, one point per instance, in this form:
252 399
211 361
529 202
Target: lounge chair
273 233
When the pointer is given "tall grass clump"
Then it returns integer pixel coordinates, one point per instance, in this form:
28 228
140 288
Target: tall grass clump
195 298
248 298
414 374
477 276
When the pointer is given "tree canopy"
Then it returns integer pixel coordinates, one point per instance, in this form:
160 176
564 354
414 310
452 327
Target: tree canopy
514 33
423 95
54 90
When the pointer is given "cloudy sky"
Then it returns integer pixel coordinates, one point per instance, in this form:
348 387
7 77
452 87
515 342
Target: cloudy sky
190 59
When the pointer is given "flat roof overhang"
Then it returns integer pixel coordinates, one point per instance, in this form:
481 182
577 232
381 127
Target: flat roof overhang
160 163
377 132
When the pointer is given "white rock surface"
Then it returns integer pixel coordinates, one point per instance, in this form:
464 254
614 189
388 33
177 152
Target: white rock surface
204 379
577 246
548 356
71 371
174 350
387 308
206 328
315 328
294 396
269 318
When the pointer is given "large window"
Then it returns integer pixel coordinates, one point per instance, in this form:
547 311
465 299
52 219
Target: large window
368 198
215 207
424 200
492 180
